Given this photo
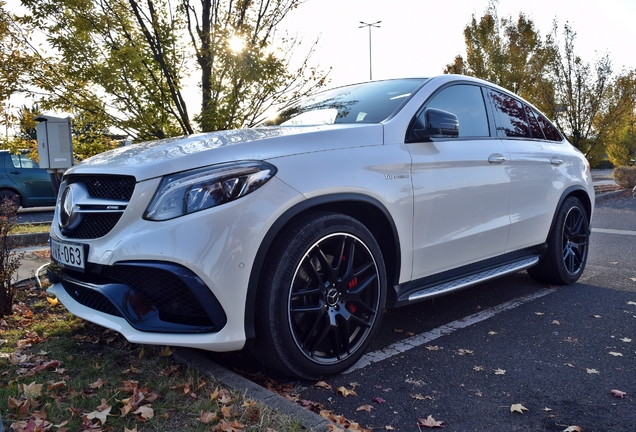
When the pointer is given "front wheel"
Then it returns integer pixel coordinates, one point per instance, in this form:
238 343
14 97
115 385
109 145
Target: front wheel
322 297
568 244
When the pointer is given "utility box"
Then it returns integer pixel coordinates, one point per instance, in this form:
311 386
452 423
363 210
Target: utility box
55 148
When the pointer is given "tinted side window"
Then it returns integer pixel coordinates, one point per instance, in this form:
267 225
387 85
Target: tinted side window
535 129
511 115
551 133
467 103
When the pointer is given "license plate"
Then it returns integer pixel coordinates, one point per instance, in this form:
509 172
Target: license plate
68 254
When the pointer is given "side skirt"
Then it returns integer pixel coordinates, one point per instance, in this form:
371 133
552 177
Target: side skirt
464 277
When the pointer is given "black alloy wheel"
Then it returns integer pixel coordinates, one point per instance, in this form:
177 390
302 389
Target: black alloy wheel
323 297
568 245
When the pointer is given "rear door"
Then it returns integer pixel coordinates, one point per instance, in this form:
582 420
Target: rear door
32 182
461 187
538 168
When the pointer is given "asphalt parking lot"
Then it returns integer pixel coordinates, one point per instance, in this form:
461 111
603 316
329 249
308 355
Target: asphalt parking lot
510 355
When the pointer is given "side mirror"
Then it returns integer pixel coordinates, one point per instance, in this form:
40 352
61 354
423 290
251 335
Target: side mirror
434 123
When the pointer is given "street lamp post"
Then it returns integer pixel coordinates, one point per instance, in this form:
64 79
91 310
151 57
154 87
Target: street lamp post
369 25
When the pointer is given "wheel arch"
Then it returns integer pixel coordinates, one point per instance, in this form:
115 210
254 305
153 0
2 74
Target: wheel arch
579 192
16 192
367 210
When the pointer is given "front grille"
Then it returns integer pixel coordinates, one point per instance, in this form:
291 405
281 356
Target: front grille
95 225
150 295
107 187
115 187
165 291
90 298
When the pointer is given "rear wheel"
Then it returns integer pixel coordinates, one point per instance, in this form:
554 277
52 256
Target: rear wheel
322 297
568 244
9 195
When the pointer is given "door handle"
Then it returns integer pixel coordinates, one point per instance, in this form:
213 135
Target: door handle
496 158
556 161
14 172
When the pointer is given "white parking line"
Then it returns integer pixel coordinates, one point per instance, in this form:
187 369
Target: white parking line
421 339
613 231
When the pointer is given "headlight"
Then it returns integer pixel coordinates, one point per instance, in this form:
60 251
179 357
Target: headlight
192 191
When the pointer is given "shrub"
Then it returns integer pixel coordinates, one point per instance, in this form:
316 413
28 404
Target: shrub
625 176
9 258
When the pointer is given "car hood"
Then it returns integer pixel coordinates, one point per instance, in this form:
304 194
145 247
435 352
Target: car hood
157 158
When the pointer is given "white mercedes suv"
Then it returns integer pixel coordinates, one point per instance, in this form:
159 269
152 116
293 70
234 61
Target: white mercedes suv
292 238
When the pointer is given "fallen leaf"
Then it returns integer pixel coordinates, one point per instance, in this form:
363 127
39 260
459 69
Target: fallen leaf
631 303
432 347
367 408
97 384
518 408
398 330
618 393
323 384
100 415
53 301
462 351
207 417
144 412
555 322
632 279
500 372
592 371
166 352
573 429
546 409
32 390
430 422
539 313
492 333
626 339
596 316
343 391
378 400
478 368
615 354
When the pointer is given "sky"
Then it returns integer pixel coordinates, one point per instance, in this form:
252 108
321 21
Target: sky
419 37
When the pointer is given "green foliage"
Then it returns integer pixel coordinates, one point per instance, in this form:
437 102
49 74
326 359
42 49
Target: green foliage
239 85
586 101
625 176
115 60
508 52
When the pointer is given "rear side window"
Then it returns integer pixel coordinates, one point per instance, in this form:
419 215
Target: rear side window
23 161
467 103
511 115
551 133
535 129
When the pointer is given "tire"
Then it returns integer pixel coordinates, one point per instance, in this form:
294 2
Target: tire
568 245
321 299
11 196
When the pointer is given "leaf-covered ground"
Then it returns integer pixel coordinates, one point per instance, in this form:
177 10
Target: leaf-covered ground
60 373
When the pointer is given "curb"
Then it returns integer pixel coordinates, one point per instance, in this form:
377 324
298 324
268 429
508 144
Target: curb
309 420
31 239
608 195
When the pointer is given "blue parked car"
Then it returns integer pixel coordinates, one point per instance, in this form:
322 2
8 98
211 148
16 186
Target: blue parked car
24 182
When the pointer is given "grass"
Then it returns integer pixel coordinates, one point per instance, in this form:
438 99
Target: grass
58 369
28 228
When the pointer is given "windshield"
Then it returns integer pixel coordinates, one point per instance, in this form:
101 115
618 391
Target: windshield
370 102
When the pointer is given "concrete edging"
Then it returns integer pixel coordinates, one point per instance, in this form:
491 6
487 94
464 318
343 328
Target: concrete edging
308 419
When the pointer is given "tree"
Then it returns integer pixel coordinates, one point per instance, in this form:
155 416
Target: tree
593 101
239 85
510 53
621 137
114 60
587 102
